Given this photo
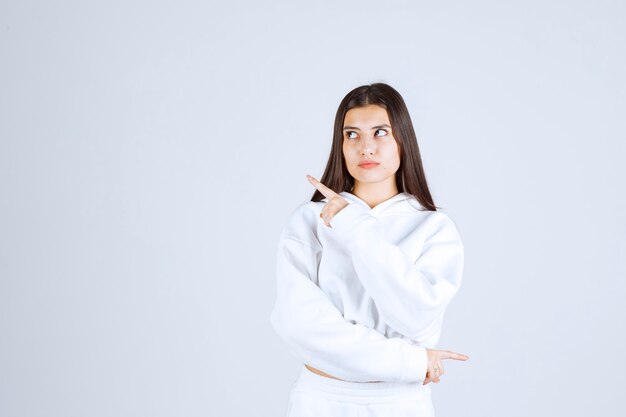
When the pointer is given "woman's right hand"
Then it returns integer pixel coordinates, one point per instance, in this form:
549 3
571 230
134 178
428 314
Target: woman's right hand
435 366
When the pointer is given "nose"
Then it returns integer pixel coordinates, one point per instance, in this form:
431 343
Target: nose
367 146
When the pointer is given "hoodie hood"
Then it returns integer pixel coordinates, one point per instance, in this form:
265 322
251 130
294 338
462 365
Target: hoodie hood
390 202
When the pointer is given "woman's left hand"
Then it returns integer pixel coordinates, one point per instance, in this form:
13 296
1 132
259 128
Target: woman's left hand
334 204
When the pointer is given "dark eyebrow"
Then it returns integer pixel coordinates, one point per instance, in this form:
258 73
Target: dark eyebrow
373 127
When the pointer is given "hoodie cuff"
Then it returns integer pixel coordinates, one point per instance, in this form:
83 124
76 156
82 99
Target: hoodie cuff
346 219
417 364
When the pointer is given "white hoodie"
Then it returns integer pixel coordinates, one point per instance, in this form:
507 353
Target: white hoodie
362 300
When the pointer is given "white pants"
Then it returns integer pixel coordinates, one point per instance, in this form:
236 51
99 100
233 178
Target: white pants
314 395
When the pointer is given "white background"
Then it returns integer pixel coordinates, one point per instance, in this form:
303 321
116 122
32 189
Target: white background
150 152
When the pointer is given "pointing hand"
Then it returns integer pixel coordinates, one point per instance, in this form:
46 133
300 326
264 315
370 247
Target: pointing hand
335 201
435 366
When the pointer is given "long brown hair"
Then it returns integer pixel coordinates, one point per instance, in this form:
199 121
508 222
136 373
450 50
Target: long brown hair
410 176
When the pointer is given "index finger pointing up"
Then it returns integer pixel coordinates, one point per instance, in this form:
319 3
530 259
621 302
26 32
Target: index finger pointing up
326 192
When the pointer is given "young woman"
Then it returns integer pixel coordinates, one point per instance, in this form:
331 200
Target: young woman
366 269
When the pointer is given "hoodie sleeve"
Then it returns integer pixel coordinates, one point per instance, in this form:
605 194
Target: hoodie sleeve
315 330
409 295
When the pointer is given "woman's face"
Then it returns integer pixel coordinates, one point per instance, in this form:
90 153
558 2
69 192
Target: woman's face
367 136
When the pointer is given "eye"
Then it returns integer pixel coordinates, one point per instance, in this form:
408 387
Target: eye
348 133
383 130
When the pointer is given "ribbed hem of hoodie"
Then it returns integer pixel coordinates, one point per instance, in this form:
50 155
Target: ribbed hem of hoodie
368 391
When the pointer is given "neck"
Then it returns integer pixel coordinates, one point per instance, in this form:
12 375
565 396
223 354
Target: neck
374 193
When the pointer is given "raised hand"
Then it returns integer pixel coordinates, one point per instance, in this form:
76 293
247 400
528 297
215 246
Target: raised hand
435 366
335 201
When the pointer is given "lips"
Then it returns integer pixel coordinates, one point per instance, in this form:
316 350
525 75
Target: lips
368 164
